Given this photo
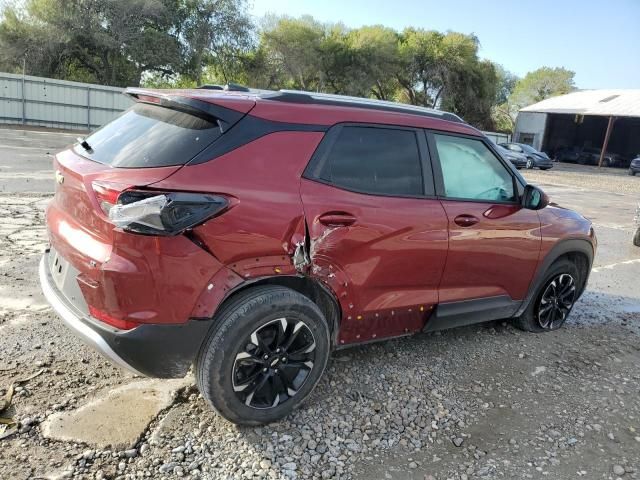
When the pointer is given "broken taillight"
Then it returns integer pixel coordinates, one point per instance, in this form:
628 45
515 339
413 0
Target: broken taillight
152 212
107 194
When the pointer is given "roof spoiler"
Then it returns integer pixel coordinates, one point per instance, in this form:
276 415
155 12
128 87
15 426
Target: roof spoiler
229 87
224 117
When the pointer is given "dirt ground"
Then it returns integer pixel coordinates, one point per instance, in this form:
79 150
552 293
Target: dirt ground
485 401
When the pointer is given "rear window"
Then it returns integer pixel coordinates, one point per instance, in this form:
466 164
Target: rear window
378 161
150 136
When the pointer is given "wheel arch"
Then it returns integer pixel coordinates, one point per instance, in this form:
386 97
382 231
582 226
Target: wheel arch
578 250
313 289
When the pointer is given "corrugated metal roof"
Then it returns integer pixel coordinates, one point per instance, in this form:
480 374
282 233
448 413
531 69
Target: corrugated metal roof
618 103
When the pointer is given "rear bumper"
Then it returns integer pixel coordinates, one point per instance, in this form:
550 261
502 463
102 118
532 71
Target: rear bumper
162 351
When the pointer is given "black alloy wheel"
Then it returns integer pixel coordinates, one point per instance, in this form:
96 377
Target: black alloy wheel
265 352
556 302
274 363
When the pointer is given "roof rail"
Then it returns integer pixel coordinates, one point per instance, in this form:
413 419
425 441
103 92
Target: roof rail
299 96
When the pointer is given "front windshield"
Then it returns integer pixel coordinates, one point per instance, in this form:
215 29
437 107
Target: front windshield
528 148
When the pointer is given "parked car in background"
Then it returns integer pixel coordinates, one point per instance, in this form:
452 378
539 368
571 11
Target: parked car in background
535 159
634 166
252 233
519 160
591 156
568 154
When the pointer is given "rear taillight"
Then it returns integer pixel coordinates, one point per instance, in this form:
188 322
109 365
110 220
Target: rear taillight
107 194
154 212
110 320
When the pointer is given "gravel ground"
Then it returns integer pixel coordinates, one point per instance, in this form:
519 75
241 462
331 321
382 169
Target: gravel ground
485 401
606 179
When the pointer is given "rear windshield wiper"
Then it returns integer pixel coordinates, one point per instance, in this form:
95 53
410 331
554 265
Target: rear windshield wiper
84 144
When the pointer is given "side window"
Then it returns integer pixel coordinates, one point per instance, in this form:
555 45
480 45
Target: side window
471 171
375 160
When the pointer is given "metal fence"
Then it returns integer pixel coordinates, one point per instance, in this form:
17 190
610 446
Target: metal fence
497 137
27 100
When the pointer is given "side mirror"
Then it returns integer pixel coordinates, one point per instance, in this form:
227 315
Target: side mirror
534 198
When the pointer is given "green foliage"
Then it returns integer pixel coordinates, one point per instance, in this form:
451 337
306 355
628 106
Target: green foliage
185 43
542 83
115 42
514 94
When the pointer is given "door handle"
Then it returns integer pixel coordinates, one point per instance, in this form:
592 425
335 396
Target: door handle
337 219
466 220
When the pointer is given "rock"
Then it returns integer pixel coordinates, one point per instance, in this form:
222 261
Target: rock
458 441
289 466
132 452
88 454
168 467
413 465
618 470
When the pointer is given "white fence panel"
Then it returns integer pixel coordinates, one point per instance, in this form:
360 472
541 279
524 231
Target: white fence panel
46 102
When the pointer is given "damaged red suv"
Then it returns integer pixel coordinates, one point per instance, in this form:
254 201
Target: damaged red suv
251 233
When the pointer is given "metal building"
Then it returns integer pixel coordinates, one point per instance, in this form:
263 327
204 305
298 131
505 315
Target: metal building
604 121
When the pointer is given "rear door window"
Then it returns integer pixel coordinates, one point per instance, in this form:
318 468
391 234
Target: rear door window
150 136
379 161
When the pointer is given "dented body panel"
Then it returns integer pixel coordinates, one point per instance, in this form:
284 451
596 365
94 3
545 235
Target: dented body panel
385 267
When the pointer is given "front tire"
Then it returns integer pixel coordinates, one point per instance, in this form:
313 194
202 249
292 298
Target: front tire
553 300
530 163
265 354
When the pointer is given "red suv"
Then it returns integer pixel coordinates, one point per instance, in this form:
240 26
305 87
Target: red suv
251 233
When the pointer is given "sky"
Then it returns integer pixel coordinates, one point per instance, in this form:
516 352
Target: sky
597 39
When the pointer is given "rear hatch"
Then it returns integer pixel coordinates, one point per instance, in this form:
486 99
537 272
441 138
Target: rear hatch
147 143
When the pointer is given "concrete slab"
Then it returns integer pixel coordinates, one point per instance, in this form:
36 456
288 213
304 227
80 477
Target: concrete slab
118 419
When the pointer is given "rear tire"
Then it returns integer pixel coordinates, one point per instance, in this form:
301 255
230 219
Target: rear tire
266 352
530 164
636 238
553 300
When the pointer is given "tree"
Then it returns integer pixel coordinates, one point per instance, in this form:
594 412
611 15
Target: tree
471 93
293 50
540 84
534 87
374 61
506 83
116 42
442 70
502 110
217 35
